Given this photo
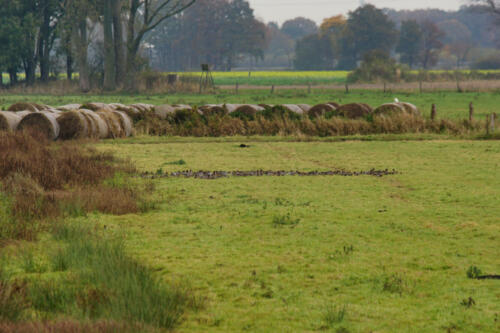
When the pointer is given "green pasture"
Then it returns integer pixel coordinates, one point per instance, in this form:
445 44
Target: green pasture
449 104
289 254
292 254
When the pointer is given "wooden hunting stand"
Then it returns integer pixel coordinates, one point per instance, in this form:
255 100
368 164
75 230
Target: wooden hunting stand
206 79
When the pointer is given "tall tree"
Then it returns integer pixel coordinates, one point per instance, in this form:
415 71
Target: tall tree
144 16
431 44
109 47
368 28
299 27
410 40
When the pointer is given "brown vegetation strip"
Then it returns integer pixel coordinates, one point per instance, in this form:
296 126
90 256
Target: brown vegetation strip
268 173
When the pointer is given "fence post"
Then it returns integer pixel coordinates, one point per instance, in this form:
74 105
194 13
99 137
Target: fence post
346 88
309 88
471 112
272 89
236 88
433 112
492 122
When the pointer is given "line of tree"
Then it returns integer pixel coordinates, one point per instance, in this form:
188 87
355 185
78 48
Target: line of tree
38 33
418 40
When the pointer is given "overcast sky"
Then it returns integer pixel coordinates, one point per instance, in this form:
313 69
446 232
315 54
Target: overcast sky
317 10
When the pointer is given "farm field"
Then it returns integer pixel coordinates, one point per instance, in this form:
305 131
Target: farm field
290 253
449 104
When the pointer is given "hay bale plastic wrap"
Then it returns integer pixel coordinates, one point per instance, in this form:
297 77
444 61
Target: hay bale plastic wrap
9 120
115 129
353 110
320 110
99 127
44 122
389 109
125 122
74 125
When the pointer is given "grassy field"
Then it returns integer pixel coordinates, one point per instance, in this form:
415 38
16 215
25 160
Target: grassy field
296 254
286 254
278 78
449 104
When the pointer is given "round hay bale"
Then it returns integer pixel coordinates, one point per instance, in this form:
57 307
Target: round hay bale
232 107
182 107
410 108
305 107
125 122
293 108
213 110
69 107
23 106
334 104
100 129
353 110
134 113
248 110
44 122
389 109
367 106
163 111
9 120
96 106
320 110
144 107
74 125
113 122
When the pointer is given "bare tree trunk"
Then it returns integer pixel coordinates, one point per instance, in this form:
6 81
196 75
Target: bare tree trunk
119 44
69 66
13 76
109 50
81 44
29 70
44 45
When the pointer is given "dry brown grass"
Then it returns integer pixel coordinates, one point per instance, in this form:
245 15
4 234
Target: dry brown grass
67 326
286 124
41 179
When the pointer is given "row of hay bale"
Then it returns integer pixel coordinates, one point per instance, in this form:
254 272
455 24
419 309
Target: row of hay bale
115 120
68 122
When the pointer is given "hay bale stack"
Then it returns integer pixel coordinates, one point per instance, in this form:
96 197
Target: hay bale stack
99 127
410 108
389 109
320 110
305 107
23 106
334 104
9 120
115 129
44 122
213 110
96 106
164 111
69 107
125 122
293 108
74 125
353 110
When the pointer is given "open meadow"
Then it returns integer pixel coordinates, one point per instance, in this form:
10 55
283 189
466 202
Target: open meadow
291 253
390 229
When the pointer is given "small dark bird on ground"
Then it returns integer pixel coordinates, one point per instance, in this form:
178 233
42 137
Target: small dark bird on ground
244 146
